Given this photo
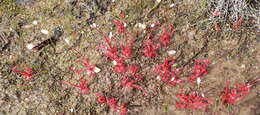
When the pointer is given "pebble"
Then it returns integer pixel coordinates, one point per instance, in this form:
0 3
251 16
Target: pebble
30 46
140 25
44 31
67 41
34 22
172 52
172 5
96 69
198 81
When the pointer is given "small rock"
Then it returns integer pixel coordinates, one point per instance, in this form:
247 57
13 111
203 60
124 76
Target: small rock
34 22
171 52
140 25
114 62
67 41
94 25
152 25
96 69
172 5
30 46
44 31
198 81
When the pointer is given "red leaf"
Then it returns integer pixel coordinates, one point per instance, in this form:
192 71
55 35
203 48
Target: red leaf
120 26
150 49
231 96
83 86
127 82
101 98
112 102
192 101
27 74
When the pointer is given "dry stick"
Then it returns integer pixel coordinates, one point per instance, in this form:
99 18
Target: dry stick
200 51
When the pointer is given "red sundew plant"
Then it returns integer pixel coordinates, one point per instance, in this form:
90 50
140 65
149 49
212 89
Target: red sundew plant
120 26
127 82
90 68
127 49
168 74
123 109
192 101
120 67
112 102
133 71
199 69
111 51
82 86
237 23
101 98
233 95
150 49
27 74
165 37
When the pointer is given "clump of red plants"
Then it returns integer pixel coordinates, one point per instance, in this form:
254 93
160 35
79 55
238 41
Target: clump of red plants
192 100
112 103
82 86
233 95
120 53
169 74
